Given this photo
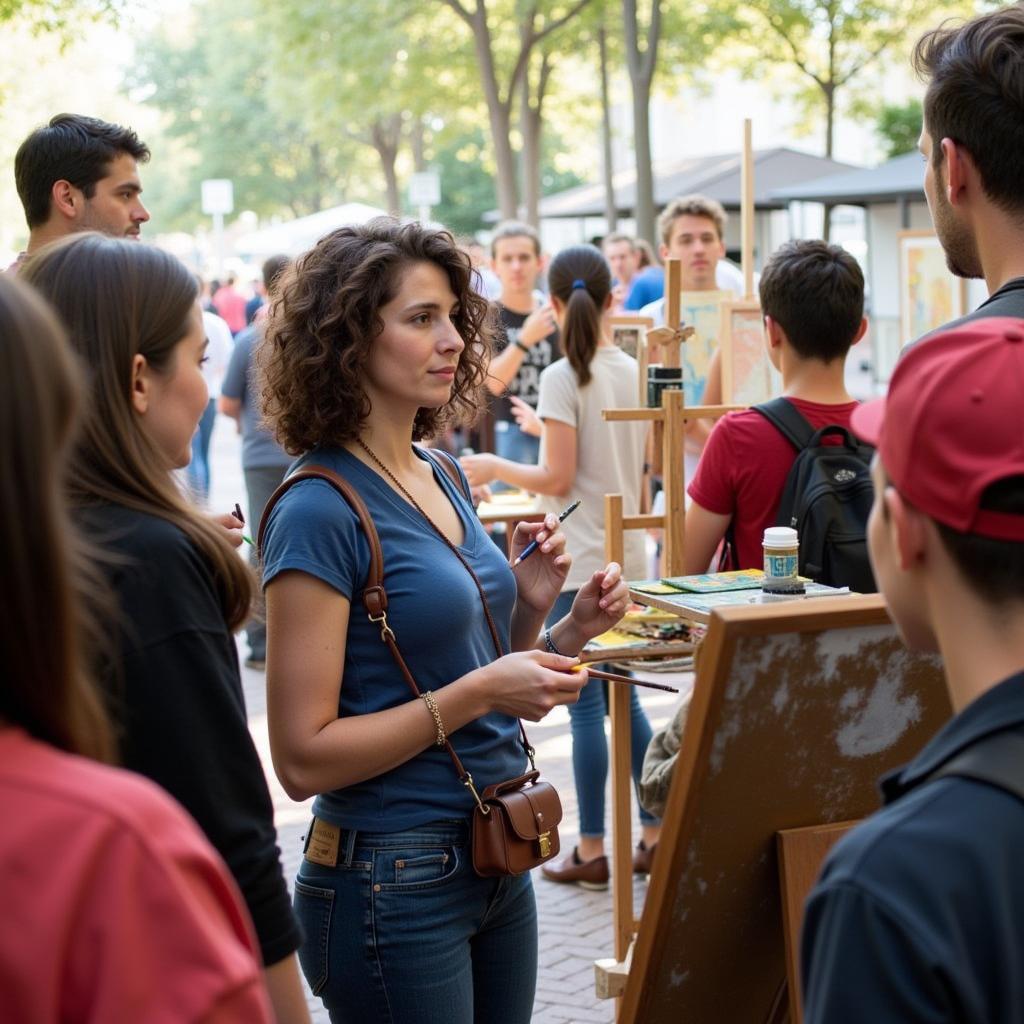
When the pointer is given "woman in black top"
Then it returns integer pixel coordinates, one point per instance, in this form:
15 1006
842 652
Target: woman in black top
171 667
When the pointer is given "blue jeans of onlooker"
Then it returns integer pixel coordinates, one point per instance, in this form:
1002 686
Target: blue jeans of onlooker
590 745
199 467
403 931
512 444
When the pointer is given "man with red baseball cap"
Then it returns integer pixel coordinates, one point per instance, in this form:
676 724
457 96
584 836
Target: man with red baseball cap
919 912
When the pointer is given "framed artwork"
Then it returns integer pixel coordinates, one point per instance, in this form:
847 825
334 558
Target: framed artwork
748 376
627 332
930 295
703 312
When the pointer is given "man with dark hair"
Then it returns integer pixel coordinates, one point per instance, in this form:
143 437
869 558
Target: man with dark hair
264 461
972 138
918 915
812 300
80 174
526 342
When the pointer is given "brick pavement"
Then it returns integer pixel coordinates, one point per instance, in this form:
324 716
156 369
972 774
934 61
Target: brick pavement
575 925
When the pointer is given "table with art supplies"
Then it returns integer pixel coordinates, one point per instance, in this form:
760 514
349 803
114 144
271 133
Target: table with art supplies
695 597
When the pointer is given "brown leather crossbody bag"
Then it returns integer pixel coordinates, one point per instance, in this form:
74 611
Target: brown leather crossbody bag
515 823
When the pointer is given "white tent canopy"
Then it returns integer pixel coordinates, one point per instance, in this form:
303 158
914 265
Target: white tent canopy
296 236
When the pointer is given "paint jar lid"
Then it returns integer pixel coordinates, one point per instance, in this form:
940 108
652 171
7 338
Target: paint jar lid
780 537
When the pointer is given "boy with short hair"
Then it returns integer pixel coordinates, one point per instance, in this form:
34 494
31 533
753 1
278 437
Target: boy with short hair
812 299
526 342
919 912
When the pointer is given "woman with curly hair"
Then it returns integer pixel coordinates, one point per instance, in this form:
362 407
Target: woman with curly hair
377 340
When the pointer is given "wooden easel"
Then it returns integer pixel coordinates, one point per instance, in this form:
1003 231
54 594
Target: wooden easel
742 318
671 419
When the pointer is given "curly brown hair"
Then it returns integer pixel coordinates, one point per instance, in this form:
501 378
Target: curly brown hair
327 315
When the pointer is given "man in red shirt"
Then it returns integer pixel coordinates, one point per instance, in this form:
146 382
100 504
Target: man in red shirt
812 296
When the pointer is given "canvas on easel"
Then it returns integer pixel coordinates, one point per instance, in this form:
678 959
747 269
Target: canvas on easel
748 376
797 709
703 312
930 295
629 331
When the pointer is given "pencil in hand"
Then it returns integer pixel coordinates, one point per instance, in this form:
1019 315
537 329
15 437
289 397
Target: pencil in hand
533 545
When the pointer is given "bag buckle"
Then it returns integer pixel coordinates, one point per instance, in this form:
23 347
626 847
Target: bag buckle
468 783
385 630
544 842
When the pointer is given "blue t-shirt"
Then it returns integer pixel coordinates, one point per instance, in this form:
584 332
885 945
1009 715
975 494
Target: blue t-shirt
259 449
438 619
648 286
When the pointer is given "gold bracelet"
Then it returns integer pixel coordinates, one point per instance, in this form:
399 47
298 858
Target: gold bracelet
428 699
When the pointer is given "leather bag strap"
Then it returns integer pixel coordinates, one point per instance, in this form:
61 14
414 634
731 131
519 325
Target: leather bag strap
375 597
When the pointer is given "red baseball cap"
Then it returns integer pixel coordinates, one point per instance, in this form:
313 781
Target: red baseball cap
953 423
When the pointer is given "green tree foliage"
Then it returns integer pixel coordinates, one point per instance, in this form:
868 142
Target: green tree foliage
830 42
899 125
224 110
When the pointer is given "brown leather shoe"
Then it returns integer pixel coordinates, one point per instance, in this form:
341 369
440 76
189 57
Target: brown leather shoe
587 874
643 858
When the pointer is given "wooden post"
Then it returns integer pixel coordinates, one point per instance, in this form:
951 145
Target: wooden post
674 478
747 211
618 706
673 290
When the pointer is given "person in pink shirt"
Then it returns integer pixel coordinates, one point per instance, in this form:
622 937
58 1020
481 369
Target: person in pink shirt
230 305
115 907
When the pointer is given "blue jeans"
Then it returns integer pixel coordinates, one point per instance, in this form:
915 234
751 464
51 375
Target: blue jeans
590 745
512 444
403 931
198 471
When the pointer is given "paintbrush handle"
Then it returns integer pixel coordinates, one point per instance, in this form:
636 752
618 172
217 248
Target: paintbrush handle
613 678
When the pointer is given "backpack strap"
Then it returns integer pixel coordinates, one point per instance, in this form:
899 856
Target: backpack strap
784 416
997 759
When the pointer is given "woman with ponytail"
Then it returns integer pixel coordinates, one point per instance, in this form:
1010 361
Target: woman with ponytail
170 667
583 457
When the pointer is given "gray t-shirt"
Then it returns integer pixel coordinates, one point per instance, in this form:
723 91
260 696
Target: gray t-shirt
259 449
609 457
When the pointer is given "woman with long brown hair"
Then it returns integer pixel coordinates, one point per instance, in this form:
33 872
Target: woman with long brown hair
171 667
376 341
105 883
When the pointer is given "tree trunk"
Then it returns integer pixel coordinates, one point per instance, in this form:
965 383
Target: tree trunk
611 211
385 136
499 115
418 141
830 125
532 128
641 64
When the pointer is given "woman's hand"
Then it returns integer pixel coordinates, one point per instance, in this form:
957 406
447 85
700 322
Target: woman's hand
601 602
528 684
232 528
479 469
526 417
539 579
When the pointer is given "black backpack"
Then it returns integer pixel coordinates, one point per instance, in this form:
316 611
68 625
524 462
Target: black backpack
827 499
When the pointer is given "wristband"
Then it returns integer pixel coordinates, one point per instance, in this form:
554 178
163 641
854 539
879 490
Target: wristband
549 645
525 349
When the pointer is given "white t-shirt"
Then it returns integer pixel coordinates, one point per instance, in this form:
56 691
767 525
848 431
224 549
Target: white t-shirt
609 457
218 351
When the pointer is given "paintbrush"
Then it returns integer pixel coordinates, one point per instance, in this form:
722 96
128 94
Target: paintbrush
611 677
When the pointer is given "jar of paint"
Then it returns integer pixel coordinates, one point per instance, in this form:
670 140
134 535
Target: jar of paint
781 561
662 378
